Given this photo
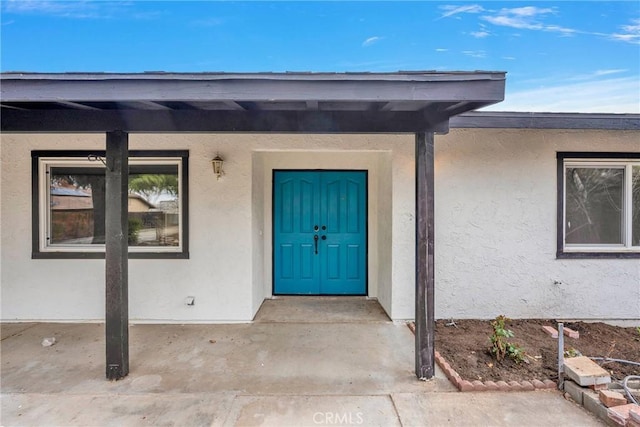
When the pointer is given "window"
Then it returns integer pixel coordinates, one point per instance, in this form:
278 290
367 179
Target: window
598 205
69 204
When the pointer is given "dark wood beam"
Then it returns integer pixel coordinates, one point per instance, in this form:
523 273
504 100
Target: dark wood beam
77 105
233 105
13 107
222 121
461 107
425 267
116 249
144 105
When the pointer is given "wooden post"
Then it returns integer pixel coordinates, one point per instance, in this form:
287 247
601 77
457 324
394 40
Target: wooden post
116 255
425 278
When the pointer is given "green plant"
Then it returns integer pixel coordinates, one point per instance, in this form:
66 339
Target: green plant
500 345
572 352
135 225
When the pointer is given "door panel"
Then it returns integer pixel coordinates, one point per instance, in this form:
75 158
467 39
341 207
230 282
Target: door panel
320 232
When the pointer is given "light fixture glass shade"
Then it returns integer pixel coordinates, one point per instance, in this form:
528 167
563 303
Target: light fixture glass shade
217 162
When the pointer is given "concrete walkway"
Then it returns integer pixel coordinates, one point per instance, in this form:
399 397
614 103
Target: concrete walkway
298 364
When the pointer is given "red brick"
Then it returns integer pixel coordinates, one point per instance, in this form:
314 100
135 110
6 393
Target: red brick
632 423
465 386
634 414
526 385
503 386
620 414
611 398
515 386
479 385
445 366
449 375
452 375
571 333
550 384
598 387
551 331
491 385
538 384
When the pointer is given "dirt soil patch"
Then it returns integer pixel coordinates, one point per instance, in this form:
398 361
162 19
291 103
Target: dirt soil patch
465 346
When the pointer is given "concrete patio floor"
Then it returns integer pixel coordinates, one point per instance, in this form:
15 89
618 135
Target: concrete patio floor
304 361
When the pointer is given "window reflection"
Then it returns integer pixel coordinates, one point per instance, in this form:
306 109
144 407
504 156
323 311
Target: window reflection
77 205
594 205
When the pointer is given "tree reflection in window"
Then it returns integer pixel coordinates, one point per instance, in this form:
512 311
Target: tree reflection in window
594 205
77 205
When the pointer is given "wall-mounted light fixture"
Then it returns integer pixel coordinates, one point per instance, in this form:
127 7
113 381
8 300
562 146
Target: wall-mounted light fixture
217 162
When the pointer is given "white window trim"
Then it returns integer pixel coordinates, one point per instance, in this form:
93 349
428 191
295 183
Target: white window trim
627 245
44 195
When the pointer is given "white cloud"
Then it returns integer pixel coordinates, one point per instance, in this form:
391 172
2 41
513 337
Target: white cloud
80 9
451 10
441 50
480 34
607 72
591 76
533 18
609 95
371 40
630 33
475 53
529 11
526 18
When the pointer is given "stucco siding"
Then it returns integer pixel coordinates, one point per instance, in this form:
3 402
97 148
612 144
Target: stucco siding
229 268
496 230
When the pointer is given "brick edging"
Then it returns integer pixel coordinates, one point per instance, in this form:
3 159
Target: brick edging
464 385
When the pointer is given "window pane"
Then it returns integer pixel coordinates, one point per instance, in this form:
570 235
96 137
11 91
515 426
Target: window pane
635 201
594 205
78 206
154 206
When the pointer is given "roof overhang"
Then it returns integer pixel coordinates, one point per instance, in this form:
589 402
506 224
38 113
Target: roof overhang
535 120
250 102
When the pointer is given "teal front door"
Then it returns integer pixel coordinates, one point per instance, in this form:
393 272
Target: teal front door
320 232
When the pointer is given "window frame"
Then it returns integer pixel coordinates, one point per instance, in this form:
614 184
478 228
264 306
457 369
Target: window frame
595 159
39 195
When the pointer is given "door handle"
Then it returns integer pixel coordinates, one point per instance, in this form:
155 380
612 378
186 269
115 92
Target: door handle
315 242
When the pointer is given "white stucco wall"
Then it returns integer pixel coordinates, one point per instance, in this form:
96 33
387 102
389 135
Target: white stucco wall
495 229
229 269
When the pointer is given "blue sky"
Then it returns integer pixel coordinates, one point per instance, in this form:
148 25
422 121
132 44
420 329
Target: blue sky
559 56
